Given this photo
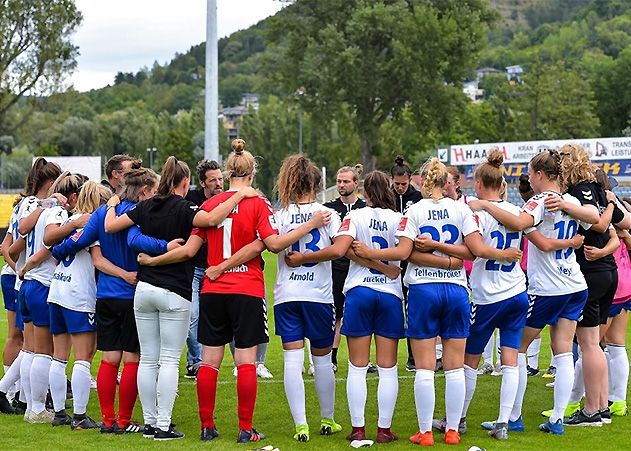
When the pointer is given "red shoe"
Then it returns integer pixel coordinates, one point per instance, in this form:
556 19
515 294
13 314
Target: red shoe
358 433
385 435
423 438
452 437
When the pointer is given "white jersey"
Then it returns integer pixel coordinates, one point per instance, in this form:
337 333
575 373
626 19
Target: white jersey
493 280
445 220
25 208
73 284
12 228
376 227
464 199
43 272
556 272
311 281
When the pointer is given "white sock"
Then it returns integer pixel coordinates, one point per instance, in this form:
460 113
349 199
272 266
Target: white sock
578 389
439 351
562 384
487 354
294 384
611 386
522 372
25 378
11 374
533 353
424 399
387 393
454 396
324 379
470 379
508 391
58 384
619 364
81 380
39 381
356 393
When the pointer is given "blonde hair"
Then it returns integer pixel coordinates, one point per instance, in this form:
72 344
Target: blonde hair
91 196
490 172
240 162
67 183
435 175
355 170
575 165
298 176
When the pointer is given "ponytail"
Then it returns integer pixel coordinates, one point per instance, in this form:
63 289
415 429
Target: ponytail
173 172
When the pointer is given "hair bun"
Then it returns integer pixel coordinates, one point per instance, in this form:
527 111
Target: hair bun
399 160
359 168
495 157
238 145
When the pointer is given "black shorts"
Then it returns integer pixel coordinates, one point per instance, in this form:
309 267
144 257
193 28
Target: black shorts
116 325
601 287
339 277
224 317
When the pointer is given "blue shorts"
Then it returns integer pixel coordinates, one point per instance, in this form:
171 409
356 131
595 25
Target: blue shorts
66 321
509 316
9 294
34 305
438 309
615 309
368 311
546 310
296 321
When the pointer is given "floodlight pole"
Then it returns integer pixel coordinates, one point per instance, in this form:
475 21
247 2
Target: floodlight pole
211 122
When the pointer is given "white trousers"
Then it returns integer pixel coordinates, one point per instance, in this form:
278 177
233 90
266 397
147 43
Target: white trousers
162 319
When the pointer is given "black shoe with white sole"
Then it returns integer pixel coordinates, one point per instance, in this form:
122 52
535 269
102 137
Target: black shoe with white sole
171 434
581 419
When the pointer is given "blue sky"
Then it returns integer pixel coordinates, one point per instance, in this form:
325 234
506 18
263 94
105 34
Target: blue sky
125 35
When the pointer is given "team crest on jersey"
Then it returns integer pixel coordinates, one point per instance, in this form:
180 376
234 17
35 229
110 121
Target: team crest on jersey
345 225
403 224
530 206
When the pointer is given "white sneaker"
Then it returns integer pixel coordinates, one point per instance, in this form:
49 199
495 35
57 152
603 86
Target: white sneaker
27 415
234 371
43 417
311 370
550 384
93 383
487 368
263 372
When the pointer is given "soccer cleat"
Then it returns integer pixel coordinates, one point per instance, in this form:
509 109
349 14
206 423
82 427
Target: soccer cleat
497 370
513 426
441 425
581 419
499 431
302 433
410 366
27 414
550 384
148 431
385 435
532 371
191 372
85 422
487 368
371 368
423 438
43 417
5 405
605 415
328 426
555 428
263 372
249 436
209 434
170 434
358 433
452 437
550 373
311 370
571 408
619 408
61 419
129 428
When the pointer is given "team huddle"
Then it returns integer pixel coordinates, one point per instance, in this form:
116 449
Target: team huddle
136 267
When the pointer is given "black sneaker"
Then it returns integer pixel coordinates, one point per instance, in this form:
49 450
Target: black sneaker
605 415
80 422
410 366
20 407
209 434
49 402
532 371
68 390
129 428
371 367
171 434
108 429
61 419
148 431
579 418
191 372
249 436
5 405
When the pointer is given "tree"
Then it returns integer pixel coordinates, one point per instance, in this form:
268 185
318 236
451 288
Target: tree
378 57
35 48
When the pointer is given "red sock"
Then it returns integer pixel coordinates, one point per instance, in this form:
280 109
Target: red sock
106 390
127 393
246 394
206 394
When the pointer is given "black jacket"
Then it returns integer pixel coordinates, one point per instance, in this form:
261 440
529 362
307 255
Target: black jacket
403 201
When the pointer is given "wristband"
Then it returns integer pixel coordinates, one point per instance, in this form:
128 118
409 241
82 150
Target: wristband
611 202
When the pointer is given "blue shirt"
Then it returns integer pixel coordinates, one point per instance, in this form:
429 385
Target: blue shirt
114 247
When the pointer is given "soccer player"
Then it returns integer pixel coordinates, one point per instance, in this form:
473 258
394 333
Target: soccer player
557 288
347 181
438 302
